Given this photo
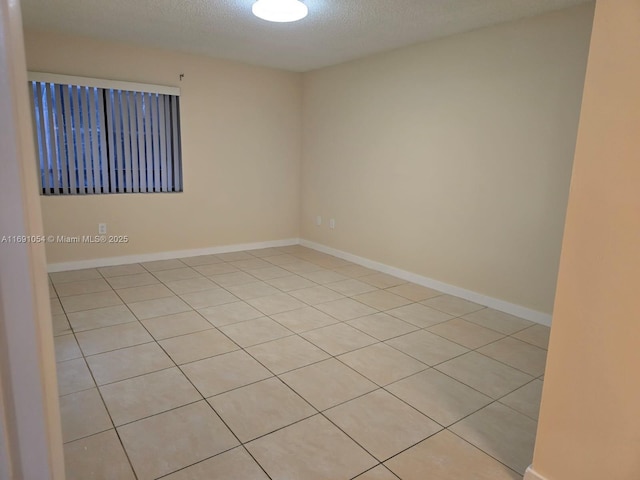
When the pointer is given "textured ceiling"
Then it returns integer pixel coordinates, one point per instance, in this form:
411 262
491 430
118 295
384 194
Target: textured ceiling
335 30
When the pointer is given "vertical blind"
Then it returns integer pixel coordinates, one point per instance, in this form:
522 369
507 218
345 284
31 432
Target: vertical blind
95 139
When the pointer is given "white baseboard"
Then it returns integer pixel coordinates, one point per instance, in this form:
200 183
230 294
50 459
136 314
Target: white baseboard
511 308
149 257
495 303
531 474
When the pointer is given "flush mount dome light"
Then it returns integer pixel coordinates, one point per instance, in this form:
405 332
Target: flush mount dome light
280 10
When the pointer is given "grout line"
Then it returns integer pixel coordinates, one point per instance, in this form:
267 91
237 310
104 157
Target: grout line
104 405
298 334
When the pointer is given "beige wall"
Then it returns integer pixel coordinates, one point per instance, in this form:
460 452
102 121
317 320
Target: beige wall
589 425
241 153
452 159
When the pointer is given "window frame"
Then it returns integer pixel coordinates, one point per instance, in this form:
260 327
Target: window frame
122 87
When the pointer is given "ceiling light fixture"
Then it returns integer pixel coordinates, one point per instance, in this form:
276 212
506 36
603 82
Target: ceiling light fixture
280 10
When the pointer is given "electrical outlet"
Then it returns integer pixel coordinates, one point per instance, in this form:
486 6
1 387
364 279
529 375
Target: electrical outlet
332 223
318 220
102 228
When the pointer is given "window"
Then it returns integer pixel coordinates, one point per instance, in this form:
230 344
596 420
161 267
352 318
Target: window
98 136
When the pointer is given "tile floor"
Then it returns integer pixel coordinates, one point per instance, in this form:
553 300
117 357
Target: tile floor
287 363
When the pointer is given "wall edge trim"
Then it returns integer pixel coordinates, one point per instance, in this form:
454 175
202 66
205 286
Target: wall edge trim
531 474
495 303
149 257
501 305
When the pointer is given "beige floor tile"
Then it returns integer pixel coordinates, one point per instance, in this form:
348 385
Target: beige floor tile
382 364
100 317
222 373
158 307
312 449
52 291
144 389
484 374
346 309
82 287
136 280
56 306
339 338
382 326
252 290
208 298
235 256
382 424
315 295
112 338
98 457
176 324
234 464
465 333
324 276
66 348
382 280
230 313
281 259
73 376
176 274
60 324
159 265
253 332
501 432
427 347
196 346
382 300
354 271
234 278
251 264
311 256
147 292
83 414
201 260
147 395
447 457
420 315
526 399
304 319
413 292
128 362
211 270
300 267
173 440
328 383
273 304
260 408
332 262
74 276
270 273
286 354
517 354
119 270
90 301
452 305
498 321
537 335
294 249
378 473
442 398
351 287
